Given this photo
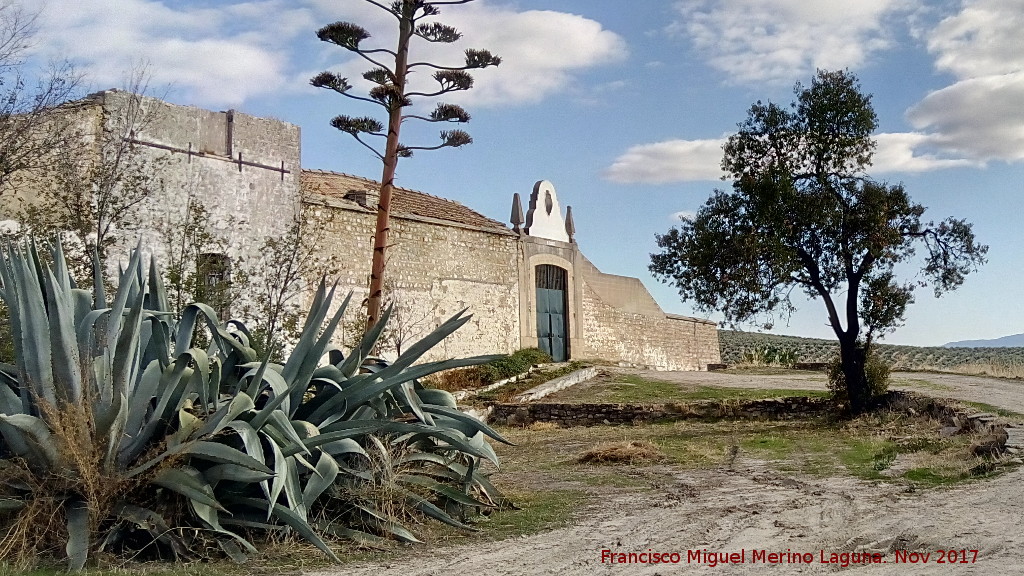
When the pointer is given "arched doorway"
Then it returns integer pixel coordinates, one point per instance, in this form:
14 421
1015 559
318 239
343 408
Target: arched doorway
552 311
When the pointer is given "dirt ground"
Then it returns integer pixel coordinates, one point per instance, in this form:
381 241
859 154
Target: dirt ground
752 510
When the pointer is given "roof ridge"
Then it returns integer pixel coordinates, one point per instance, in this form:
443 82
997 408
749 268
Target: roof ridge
416 202
404 189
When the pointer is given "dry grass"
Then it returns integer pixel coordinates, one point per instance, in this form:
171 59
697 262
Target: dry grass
541 426
997 369
40 528
624 452
455 380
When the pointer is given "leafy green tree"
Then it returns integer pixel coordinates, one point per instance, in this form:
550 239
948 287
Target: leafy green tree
391 91
803 215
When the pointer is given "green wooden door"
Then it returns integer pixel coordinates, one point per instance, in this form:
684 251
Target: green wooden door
552 324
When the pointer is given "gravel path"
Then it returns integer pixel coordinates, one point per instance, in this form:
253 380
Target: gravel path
754 509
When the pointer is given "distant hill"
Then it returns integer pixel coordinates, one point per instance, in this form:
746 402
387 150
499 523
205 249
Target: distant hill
1014 341
736 346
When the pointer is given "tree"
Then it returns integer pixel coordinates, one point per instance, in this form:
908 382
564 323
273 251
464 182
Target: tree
94 189
278 277
803 215
392 92
28 101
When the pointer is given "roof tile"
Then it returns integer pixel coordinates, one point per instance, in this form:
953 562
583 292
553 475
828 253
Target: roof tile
403 201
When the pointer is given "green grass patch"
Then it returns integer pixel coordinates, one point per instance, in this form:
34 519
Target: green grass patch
509 391
996 410
919 383
633 389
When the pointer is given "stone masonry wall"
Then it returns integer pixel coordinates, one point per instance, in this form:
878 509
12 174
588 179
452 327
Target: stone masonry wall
247 202
667 343
435 271
597 414
192 152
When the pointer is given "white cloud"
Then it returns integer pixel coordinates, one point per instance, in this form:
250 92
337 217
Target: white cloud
677 216
978 117
223 53
909 152
541 50
983 39
668 161
216 56
757 41
692 160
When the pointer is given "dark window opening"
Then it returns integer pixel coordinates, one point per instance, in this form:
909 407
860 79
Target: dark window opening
213 272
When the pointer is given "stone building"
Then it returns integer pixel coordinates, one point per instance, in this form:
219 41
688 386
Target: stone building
526 285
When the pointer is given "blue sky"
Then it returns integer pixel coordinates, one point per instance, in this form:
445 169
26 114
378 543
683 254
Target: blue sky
624 106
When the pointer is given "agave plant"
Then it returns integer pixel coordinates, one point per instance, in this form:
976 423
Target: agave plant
112 420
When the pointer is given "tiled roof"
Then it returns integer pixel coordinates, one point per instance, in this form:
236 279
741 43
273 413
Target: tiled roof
404 202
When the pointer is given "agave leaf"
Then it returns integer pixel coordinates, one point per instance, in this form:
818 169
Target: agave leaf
310 331
239 404
188 482
357 536
78 535
223 339
343 446
230 547
430 457
388 378
291 519
126 351
257 378
351 365
234 473
423 345
187 424
279 403
10 403
210 516
155 525
98 289
442 489
112 431
396 529
283 425
223 454
15 440
11 504
126 285
63 342
30 325
293 488
437 397
326 472
475 424
38 435
428 508
310 358
142 395
329 372
157 295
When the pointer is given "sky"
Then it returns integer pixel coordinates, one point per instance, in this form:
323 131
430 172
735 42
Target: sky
624 107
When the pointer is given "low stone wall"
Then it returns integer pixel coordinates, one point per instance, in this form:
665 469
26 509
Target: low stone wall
597 414
1003 436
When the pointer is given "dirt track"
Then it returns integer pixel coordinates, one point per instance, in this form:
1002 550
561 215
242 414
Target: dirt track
754 508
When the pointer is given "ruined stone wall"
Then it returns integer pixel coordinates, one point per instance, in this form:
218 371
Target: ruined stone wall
196 153
433 271
666 343
568 415
184 152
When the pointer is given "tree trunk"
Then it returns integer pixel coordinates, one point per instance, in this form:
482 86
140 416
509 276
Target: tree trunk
853 358
383 229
